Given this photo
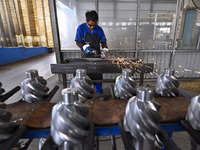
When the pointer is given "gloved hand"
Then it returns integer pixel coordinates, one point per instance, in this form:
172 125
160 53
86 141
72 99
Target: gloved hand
105 50
103 55
88 49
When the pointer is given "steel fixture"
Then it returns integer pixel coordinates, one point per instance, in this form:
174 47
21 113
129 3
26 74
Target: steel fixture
1 89
7 129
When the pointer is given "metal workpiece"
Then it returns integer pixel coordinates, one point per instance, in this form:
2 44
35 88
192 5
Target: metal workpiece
167 85
69 125
125 85
34 87
33 73
83 84
69 95
7 129
193 118
193 113
1 89
142 119
10 133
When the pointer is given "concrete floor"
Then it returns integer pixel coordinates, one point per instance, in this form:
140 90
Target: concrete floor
12 75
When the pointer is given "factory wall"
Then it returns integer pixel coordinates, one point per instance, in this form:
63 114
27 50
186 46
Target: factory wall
9 55
25 29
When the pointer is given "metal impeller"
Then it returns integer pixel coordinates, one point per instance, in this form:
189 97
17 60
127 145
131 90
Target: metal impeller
142 119
83 84
167 85
125 85
34 87
69 125
193 113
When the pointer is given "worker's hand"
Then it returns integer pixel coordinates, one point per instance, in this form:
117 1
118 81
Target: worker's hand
103 55
88 49
105 50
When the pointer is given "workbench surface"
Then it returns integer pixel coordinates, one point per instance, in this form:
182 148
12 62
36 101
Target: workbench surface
38 114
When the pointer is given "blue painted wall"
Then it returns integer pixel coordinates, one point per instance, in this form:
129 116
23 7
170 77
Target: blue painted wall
9 55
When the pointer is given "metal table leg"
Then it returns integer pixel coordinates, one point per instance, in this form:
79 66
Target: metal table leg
96 145
141 79
113 143
64 81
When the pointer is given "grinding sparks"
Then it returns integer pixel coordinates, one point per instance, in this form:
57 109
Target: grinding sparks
187 70
198 72
121 63
155 73
180 66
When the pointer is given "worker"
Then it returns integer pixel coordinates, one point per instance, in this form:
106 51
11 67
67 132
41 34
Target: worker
89 35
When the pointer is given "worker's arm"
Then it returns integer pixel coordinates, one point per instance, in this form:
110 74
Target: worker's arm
80 44
103 41
104 45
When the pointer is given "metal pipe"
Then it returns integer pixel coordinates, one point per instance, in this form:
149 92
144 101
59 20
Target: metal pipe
1 37
38 25
56 36
52 93
154 31
9 144
9 94
18 21
11 31
97 6
3 34
198 42
137 28
45 24
178 8
29 33
127 50
113 141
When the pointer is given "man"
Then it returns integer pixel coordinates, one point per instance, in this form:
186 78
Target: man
89 35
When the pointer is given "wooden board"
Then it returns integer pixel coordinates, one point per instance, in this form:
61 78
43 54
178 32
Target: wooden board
113 111
109 112
35 115
173 109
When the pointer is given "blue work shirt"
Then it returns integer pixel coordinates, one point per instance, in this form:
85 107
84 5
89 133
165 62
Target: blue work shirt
83 29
